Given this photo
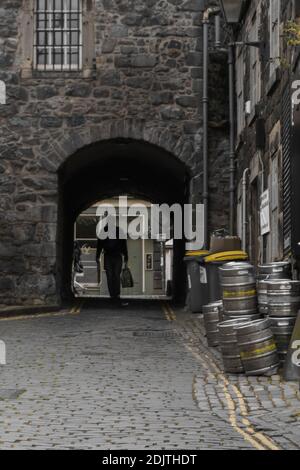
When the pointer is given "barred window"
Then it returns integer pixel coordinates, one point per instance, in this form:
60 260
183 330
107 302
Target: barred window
58 35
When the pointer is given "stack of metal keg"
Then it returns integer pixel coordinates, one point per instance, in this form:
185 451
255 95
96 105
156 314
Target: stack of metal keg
247 342
248 346
238 290
283 306
279 300
271 271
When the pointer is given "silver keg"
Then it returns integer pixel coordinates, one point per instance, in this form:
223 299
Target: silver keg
283 298
238 289
213 315
251 317
229 345
276 270
257 348
262 297
282 329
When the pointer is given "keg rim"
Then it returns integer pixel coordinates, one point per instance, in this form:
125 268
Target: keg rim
227 267
245 317
237 313
276 264
269 337
256 325
264 370
292 282
227 324
231 356
283 318
219 303
263 281
283 304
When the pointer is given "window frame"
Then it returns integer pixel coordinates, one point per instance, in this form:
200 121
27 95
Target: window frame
26 27
50 31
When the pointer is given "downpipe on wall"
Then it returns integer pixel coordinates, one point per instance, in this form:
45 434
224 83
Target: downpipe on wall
231 67
262 188
244 209
205 22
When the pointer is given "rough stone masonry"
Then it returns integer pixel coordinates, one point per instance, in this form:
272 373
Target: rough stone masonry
141 79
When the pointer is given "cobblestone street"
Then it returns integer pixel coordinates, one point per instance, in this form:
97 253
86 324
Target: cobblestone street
137 378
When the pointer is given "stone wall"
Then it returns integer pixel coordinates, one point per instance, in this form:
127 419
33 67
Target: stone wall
145 84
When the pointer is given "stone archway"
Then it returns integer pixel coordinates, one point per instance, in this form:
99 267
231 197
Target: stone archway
58 146
31 223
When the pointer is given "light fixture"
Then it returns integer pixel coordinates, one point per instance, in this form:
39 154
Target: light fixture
232 10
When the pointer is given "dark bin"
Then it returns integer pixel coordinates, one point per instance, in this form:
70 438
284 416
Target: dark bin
213 263
197 280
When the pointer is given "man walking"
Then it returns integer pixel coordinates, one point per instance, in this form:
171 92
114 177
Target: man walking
115 250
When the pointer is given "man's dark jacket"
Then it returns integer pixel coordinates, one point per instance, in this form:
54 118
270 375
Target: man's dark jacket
113 246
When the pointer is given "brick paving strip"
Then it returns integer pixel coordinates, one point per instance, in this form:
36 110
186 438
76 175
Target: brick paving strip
264 410
135 378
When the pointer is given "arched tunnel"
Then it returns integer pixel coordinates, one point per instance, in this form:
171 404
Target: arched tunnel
112 168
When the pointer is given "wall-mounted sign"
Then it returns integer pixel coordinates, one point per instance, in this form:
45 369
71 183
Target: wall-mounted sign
2 92
265 213
292 365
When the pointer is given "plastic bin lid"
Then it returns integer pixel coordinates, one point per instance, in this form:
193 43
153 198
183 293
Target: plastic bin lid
227 256
197 253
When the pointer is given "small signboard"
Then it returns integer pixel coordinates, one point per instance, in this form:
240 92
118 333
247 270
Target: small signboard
265 213
291 370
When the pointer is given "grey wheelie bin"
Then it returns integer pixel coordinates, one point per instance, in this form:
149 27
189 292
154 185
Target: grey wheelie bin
197 280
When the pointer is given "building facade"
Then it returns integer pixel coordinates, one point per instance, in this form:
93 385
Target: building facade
103 98
265 155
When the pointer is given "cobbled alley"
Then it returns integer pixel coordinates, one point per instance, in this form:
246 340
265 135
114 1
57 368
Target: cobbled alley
95 377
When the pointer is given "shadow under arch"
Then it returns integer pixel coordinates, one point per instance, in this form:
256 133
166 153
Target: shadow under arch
111 168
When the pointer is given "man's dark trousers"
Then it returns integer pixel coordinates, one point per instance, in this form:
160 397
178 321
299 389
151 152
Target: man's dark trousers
113 267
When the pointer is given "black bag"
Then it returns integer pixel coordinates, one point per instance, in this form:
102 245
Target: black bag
126 278
98 271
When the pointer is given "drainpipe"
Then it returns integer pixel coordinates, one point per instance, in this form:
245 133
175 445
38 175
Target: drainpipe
205 22
218 31
244 209
231 65
261 192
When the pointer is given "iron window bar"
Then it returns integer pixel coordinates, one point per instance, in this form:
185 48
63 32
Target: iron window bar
58 35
